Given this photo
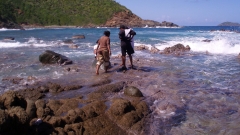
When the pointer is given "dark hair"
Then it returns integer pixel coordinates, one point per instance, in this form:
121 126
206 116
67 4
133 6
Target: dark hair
107 33
97 41
122 27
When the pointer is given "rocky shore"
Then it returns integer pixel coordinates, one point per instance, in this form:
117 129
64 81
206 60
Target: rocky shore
111 103
10 25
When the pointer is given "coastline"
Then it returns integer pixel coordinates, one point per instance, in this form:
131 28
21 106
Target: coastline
100 26
98 97
178 89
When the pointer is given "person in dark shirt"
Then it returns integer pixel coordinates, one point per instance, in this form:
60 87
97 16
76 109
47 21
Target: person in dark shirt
126 45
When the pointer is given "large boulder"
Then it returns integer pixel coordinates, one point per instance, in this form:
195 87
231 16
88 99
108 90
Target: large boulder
141 48
50 57
120 107
133 91
176 48
12 98
18 115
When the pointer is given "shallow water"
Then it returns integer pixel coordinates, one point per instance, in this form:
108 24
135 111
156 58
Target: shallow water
195 93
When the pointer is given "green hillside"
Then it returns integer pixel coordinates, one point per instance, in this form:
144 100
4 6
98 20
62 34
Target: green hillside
59 12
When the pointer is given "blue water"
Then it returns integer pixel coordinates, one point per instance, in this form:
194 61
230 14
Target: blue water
219 68
207 76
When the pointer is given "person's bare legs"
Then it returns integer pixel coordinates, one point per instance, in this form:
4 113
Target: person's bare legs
124 61
97 69
131 61
106 68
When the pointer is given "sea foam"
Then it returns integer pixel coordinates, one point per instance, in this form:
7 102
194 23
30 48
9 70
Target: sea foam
220 43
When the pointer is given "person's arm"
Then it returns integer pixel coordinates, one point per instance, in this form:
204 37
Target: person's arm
97 48
121 35
132 33
108 46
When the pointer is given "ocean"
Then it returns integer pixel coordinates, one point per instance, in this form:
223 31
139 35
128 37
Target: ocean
209 70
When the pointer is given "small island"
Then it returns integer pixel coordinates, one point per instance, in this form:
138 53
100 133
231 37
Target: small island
229 24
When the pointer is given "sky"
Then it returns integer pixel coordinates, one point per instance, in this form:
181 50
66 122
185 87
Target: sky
186 12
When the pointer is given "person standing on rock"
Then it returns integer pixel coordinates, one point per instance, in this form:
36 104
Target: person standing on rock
126 46
103 51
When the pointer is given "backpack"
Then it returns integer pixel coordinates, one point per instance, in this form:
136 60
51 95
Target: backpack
129 34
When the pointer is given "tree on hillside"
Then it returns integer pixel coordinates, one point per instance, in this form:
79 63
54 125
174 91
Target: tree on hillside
6 11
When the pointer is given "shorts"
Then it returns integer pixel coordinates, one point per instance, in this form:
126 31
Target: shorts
126 48
103 57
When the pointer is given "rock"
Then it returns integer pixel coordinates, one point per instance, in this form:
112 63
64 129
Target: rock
40 112
120 107
50 57
12 98
141 47
102 126
206 40
40 103
18 114
60 131
154 50
31 109
8 38
188 48
56 121
176 49
54 105
129 119
73 46
55 88
75 129
78 37
93 110
4 121
72 87
101 82
32 93
142 109
68 104
10 25
71 117
109 88
116 87
14 80
133 91
68 41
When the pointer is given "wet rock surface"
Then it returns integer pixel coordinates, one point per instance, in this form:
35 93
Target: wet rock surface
78 37
8 38
10 25
133 91
50 57
82 103
178 48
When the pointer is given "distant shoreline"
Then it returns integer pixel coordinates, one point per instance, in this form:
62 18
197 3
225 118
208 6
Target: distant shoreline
58 26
